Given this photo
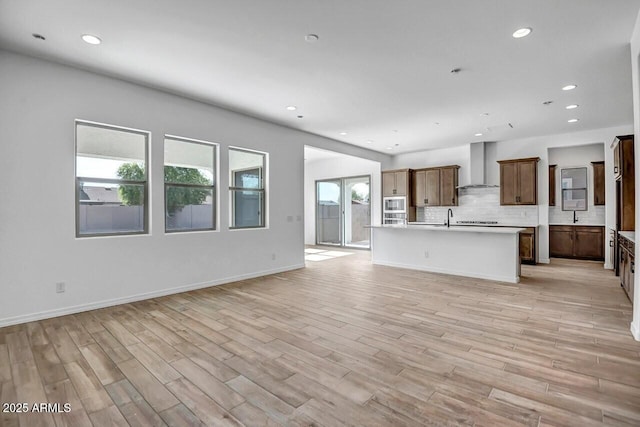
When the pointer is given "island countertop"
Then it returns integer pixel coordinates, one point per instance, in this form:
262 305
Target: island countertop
453 228
472 251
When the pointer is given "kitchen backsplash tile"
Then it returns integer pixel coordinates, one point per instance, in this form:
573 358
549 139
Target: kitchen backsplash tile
594 216
481 204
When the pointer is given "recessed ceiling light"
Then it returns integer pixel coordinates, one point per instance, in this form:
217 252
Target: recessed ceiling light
292 108
369 142
389 148
571 107
311 38
478 134
300 117
38 36
573 120
569 87
456 70
343 133
522 32
547 103
91 39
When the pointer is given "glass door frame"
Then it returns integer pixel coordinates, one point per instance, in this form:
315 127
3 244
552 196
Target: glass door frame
342 214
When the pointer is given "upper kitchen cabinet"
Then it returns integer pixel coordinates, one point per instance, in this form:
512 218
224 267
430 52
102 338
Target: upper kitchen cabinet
598 183
519 181
395 183
436 186
624 170
622 155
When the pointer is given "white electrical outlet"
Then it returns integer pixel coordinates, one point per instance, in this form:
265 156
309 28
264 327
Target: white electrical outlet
60 287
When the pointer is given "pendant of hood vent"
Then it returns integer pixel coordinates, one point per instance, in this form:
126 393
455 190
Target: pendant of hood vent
478 153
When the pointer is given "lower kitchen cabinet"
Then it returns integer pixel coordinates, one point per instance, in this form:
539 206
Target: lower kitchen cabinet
576 241
528 246
626 264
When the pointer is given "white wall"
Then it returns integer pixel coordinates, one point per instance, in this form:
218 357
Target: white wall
38 105
538 147
343 166
577 157
635 77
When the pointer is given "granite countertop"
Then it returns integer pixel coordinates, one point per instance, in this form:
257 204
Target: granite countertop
629 235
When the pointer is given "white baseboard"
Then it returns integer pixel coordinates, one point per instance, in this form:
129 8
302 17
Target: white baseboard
635 331
507 279
544 261
8 321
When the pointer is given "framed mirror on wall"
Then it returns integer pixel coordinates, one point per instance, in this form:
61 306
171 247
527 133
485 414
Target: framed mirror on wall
573 182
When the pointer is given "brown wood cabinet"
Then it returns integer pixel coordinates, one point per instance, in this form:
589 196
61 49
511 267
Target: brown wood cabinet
576 241
436 186
598 183
626 265
624 171
552 185
519 181
528 246
396 183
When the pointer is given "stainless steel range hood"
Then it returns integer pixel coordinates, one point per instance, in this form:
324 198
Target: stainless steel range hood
477 165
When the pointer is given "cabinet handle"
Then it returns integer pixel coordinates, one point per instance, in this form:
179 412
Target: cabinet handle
453 200
633 266
426 201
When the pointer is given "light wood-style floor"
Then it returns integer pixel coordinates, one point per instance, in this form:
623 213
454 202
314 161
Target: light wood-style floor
341 342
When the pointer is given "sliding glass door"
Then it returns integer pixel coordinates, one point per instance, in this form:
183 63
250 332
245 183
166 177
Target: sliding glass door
329 212
342 211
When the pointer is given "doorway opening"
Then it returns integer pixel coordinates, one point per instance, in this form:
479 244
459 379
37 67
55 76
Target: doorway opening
343 209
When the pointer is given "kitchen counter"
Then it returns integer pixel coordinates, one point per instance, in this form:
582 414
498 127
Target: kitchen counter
471 251
629 235
455 228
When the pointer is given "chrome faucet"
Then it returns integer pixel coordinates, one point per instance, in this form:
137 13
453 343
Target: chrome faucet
449 215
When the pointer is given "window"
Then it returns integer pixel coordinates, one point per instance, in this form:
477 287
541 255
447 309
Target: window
189 185
247 188
574 189
111 180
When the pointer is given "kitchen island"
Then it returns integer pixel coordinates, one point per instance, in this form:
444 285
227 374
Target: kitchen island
482 252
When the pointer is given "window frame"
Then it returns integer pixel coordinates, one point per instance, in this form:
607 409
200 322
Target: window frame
566 190
212 187
263 188
145 183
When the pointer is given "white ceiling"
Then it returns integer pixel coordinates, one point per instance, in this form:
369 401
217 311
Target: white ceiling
380 70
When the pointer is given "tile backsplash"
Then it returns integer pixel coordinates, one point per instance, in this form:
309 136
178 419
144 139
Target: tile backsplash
594 216
481 204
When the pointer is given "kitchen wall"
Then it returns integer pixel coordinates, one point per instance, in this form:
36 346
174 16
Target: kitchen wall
529 147
458 155
339 167
481 204
40 101
576 157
